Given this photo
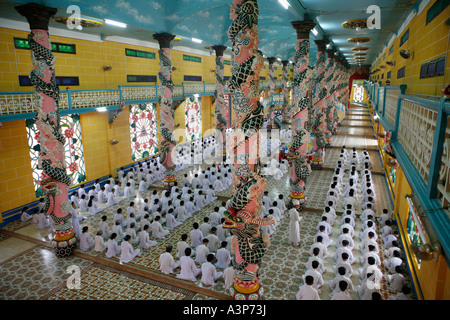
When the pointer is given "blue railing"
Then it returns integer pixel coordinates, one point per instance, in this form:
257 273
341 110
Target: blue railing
21 105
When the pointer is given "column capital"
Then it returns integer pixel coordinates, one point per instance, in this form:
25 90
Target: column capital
285 63
321 45
219 50
271 60
37 15
164 39
303 28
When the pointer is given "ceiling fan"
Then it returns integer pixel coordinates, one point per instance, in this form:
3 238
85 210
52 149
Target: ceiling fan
406 54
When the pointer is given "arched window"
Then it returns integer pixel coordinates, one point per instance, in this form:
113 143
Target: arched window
74 158
143 131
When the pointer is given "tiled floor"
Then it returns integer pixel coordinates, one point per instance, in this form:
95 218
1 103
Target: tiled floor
29 269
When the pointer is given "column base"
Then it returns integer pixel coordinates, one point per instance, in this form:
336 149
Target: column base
248 291
316 163
64 248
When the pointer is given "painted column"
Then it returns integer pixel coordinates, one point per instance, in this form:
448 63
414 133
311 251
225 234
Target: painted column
271 111
284 90
219 113
330 111
299 112
243 216
165 101
318 127
54 181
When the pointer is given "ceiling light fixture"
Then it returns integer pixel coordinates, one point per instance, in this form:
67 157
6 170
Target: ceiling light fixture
197 40
115 23
284 3
102 109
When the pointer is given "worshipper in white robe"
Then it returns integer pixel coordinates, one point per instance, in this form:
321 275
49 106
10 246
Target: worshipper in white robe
189 270
340 276
223 256
166 262
199 200
367 287
101 195
294 228
396 280
214 241
81 191
209 272
315 273
75 221
215 217
119 216
128 191
73 198
228 277
404 295
326 239
104 228
201 251
171 222
222 232
344 247
158 232
86 241
83 204
315 257
118 229
181 214
143 186
43 221
93 209
210 194
182 245
144 238
277 174
307 290
127 252
393 262
117 191
190 206
343 293
113 248
111 201
196 235
318 244
99 243
131 231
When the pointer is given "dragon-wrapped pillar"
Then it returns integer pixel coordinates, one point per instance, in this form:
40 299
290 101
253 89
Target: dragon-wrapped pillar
284 90
165 101
242 218
54 181
330 111
299 112
271 111
318 127
219 97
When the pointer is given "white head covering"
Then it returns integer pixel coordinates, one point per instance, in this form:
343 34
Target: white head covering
295 202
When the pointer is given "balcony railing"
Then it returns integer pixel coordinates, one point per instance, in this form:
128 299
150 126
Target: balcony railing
421 142
21 105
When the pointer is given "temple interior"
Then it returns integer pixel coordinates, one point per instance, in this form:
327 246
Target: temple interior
224 150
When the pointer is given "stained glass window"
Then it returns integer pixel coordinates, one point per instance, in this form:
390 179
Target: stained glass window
143 131
193 115
71 129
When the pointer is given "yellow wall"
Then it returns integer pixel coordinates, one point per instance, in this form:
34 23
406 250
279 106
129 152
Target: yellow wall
428 42
432 278
89 60
16 182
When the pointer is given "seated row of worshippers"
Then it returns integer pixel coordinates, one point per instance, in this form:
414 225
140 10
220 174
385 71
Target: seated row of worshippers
341 285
